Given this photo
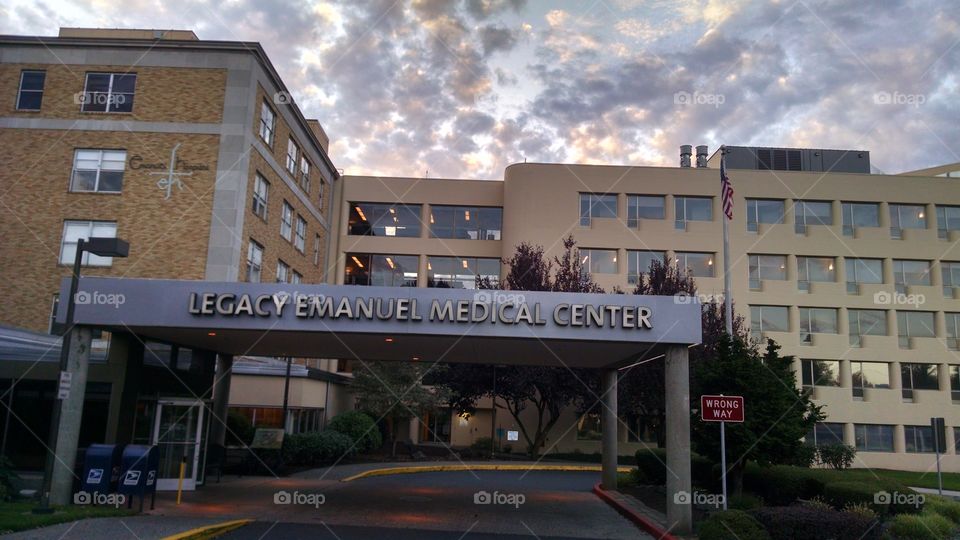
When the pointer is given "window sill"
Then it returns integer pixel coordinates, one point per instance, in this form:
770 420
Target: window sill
75 192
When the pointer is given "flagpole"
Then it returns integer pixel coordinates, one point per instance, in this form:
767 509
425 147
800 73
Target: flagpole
727 306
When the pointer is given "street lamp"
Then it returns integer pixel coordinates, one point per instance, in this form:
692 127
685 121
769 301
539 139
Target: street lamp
103 247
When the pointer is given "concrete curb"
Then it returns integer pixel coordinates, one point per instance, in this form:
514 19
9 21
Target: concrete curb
210 531
629 513
477 467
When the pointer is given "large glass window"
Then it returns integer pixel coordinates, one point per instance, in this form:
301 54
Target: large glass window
769 319
866 322
73 231
817 321
593 205
816 269
98 170
286 221
950 272
812 213
378 219
30 94
764 211
693 209
254 262
869 375
906 272
919 439
466 222
955 387
108 92
261 193
861 271
820 372
825 433
859 214
381 270
461 272
764 267
699 264
914 376
268 123
638 262
948 219
906 216
599 261
283 272
914 324
293 151
305 175
873 437
953 330
300 235
644 207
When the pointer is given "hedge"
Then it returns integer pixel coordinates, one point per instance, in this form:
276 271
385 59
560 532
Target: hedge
922 527
361 429
783 484
652 464
732 525
801 522
316 448
947 508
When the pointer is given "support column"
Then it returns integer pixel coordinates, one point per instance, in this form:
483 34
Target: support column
125 362
608 429
71 414
221 399
677 375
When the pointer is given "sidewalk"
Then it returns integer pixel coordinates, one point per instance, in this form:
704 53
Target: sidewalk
934 491
117 528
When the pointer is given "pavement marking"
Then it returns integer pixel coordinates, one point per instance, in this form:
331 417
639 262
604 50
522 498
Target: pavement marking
210 531
478 467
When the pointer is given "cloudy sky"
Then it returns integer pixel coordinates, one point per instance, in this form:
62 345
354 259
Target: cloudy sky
464 88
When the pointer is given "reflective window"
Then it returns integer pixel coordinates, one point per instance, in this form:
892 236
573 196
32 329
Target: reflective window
953 330
816 269
951 273
873 437
919 376
268 122
644 207
73 231
283 272
763 211
381 270
98 170
466 222
769 319
638 262
955 386
825 433
30 96
864 270
818 320
300 235
813 213
108 92
261 192
763 267
378 219
599 261
859 214
588 427
867 322
461 272
915 324
820 372
908 216
293 151
869 375
699 264
593 205
254 262
948 219
919 439
286 221
911 272
693 208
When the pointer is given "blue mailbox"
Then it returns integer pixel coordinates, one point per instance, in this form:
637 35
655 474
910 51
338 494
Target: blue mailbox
101 469
138 473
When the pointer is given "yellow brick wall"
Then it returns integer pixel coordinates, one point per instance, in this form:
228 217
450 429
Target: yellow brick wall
168 238
161 94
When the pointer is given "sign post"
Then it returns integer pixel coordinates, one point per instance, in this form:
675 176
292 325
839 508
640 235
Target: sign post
940 446
723 409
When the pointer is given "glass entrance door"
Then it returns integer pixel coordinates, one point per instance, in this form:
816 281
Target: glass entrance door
177 434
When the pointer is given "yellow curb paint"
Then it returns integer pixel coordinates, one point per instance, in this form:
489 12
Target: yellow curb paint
209 531
479 467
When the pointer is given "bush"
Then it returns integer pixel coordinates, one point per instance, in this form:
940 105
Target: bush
239 429
947 508
8 479
781 485
804 522
316 448
923 527
652 464
838 456
861 509
732 525
842 494
361 429
482 444
745 502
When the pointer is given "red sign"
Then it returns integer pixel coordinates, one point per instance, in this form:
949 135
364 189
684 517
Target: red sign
721 408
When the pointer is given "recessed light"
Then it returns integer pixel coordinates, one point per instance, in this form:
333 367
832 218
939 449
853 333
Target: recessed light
388 340
416 358
211 333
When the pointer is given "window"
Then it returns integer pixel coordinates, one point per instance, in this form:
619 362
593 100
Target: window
825 433
267 123
817 321
950 273
286 222
919 439
254 262
295 277
911 272
283 272
599 261
589 427
820 372
861 271
914 324
261 192
98 171
815 269
596 206
769 319
869 375
374 219
918 377
293 151
644 207
305 174
866 322
953 330
699 264
316 249
461 272
858 214
812 213
73 231
381 270
54 306
108 92
30 95
955 387
643 428
763 267
763 211
465 222
300 239
873 437
638 262
906 216
692 209
948 219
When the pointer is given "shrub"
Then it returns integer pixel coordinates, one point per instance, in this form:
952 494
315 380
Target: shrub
910 527
316 448
838 456
781 485
732 525
803 522
8 478
818 503
239 429
842 494
861 509
652 464
361 429
745 502
947 508
482 444
940 525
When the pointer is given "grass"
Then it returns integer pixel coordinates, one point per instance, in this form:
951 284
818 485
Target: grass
17 516
951 481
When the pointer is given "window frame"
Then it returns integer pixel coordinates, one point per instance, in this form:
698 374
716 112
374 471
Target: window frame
633 209
587 258
752 213
586 220
680 217
633 261
808 320
283 272
711 264
261 201
21 90
286 221
849 226
268 128
756 323
96 183
379 211
300 234
86 100
87 257
254 260
292 161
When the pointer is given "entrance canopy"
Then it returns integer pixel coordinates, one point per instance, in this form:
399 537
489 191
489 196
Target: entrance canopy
390 323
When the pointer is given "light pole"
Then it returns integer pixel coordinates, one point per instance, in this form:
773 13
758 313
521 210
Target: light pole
104 247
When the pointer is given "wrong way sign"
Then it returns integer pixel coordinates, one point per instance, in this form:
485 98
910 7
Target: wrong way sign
721 408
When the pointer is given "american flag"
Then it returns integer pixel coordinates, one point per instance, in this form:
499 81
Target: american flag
726 188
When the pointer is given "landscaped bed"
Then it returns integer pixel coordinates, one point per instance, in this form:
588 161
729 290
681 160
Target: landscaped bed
18 516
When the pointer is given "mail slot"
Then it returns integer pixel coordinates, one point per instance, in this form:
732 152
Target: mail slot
138 473
101 468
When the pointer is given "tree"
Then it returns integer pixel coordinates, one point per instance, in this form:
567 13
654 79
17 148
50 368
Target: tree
778 414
